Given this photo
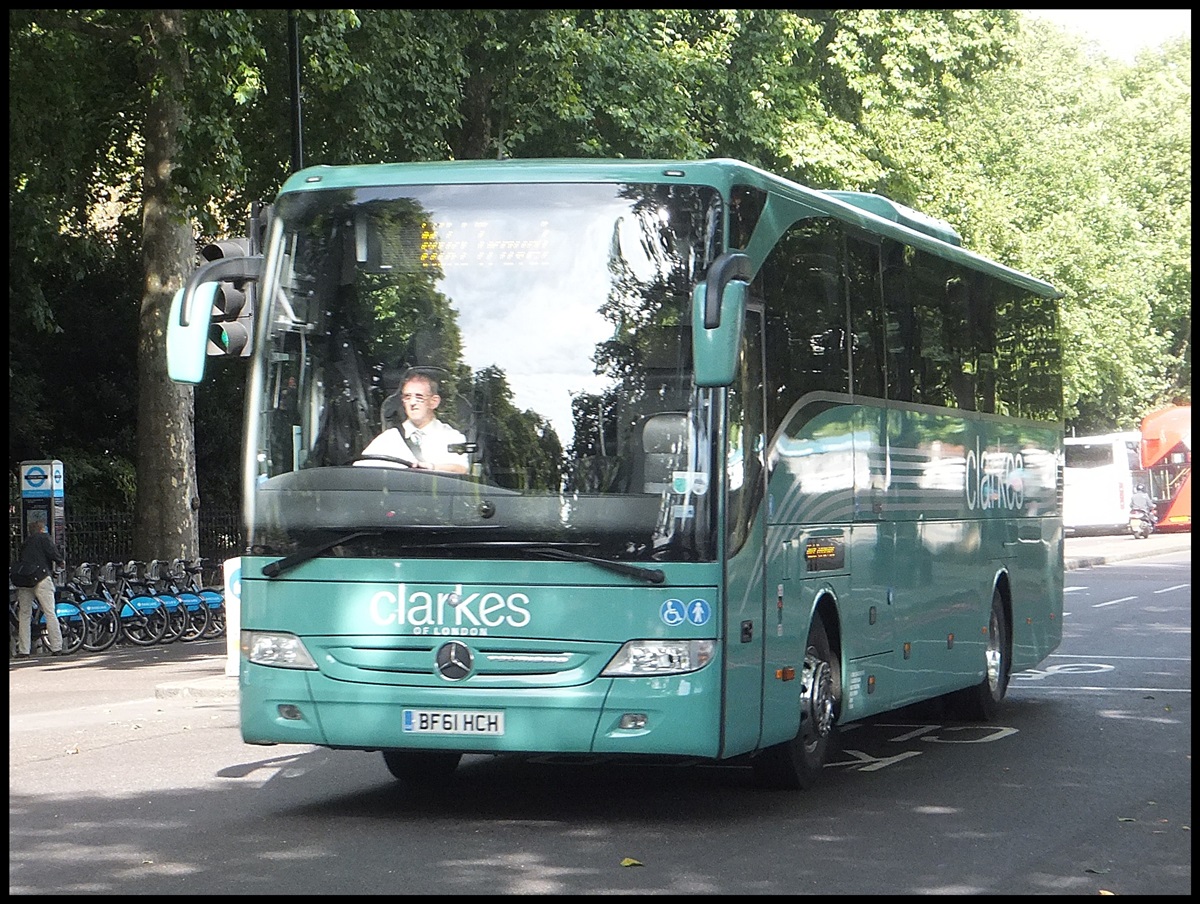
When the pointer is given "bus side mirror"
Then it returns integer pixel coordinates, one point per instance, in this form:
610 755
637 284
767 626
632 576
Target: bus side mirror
718 310
199 306
187 337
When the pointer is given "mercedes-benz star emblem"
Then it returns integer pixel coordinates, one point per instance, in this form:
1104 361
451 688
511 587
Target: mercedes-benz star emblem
454 660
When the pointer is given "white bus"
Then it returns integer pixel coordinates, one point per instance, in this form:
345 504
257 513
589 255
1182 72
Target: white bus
1099 474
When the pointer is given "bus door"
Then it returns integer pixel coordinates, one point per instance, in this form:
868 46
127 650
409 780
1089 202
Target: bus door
745 520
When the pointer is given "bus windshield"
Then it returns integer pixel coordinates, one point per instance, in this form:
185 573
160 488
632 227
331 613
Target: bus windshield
442 369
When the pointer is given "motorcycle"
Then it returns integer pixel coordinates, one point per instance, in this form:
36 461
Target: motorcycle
1141 524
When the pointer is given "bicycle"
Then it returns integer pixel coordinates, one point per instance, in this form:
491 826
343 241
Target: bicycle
103 623
143 617
198 616
191 573
139 582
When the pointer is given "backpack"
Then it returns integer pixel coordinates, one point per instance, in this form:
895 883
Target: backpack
25 575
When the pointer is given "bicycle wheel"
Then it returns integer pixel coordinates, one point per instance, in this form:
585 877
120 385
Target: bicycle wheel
103 629
143 624
198 619
216 609
216 623
73 628
177 619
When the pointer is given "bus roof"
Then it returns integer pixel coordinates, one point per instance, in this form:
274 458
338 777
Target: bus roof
1165 430
1175 419
871 213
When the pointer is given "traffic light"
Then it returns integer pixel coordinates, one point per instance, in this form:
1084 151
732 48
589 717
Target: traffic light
233 308
231 339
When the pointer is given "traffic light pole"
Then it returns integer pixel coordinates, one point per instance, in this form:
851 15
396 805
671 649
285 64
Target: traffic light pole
297 122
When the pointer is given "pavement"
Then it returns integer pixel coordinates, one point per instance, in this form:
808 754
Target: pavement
1081 552
215 687
1087 550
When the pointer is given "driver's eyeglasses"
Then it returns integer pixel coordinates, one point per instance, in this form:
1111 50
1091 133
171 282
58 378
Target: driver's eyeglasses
414 397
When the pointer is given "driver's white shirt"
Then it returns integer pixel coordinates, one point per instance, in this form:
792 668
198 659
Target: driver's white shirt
433 439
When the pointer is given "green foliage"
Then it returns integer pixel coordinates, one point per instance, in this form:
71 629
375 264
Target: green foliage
512 435
1074 168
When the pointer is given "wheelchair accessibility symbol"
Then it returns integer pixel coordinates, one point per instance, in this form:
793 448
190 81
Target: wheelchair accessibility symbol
675 612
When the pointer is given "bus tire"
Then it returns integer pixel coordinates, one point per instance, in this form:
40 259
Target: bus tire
797 764
420 767
981 703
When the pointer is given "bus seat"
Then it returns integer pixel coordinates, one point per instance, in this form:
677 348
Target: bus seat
660 449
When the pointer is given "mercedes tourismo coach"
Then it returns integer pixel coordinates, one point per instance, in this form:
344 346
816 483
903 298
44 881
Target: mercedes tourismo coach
744 461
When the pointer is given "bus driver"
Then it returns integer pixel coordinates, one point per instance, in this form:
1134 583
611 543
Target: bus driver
423 440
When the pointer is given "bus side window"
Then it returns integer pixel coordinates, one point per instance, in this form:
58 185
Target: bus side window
744 446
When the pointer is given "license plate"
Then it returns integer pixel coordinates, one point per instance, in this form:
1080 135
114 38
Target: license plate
454 722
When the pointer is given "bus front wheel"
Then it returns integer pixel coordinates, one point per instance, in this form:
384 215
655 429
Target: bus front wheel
419 767
797 764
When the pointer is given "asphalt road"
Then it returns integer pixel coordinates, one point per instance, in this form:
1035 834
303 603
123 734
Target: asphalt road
150 790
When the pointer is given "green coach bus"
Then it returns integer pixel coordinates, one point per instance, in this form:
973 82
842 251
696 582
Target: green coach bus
723 462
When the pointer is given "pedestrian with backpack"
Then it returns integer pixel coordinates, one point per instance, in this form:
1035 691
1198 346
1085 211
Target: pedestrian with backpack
32 578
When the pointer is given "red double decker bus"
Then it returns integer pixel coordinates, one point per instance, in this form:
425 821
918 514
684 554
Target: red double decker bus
1167 458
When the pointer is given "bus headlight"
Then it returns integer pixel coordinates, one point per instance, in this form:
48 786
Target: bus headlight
277 649
641 658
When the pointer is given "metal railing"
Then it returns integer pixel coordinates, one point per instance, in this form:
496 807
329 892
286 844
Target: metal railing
108 536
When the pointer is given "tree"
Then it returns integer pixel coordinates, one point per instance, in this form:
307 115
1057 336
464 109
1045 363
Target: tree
165 525
1151 166
90 150
1076 169
105 149
130 129
72 253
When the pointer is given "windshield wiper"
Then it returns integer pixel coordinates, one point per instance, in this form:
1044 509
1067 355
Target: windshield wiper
553 551
278 567
650 575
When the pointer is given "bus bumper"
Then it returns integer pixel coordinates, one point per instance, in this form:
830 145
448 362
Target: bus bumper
676 715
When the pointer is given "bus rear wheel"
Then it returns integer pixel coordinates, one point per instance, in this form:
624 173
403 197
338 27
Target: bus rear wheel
797 764
419 767
981 703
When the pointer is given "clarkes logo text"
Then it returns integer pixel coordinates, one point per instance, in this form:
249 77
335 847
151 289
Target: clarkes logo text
449 611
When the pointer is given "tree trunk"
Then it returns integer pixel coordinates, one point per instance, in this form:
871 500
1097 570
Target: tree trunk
167 492
475 131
